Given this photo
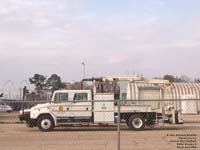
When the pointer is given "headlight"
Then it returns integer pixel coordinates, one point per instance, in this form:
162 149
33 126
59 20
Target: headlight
25 111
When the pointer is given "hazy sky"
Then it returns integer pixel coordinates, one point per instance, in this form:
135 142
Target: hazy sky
112 37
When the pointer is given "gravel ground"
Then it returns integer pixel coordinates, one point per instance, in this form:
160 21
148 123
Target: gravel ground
18 137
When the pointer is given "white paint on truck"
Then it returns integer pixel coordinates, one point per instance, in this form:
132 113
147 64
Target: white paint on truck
104 109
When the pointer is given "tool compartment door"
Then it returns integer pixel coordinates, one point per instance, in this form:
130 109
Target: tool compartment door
103 110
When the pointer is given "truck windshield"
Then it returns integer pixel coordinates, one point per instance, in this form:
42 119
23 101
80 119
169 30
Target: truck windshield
61 97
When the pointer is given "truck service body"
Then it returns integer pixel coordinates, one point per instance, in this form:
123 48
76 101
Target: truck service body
68 107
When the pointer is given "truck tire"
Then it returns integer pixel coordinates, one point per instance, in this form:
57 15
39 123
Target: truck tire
136 122
45 123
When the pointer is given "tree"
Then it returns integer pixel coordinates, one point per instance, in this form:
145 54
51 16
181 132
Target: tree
170 78
197 80
31 96
39 82
185 78
54 83
76 86
1 95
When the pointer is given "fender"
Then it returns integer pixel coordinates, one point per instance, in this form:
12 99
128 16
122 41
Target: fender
39 110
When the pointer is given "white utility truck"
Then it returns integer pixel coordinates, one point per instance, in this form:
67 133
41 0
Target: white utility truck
69 107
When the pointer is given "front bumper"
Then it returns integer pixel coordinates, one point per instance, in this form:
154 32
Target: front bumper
26 117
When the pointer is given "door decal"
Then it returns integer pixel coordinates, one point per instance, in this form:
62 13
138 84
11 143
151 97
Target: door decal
60 108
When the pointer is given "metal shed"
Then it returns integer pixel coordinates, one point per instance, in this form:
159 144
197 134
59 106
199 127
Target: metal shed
186 92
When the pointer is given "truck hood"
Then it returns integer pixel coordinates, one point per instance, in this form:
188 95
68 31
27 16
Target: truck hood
35 107
40 106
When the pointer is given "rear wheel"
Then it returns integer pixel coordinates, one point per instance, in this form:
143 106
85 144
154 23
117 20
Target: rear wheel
45 123
136 122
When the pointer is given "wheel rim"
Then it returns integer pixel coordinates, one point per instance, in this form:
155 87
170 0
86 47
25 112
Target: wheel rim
45 124
137 123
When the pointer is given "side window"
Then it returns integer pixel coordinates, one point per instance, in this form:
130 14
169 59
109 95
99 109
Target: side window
123 96
80 96
61 97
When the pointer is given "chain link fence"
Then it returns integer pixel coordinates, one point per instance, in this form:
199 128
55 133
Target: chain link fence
104 124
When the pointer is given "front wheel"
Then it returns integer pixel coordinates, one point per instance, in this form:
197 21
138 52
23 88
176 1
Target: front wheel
45 123
136 122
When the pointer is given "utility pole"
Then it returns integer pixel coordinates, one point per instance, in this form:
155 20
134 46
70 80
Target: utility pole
118 127
23 97
83 69
82 84
20 93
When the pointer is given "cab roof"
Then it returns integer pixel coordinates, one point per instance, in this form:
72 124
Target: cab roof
72 91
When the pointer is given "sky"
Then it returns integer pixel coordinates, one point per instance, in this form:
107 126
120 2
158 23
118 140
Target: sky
116 37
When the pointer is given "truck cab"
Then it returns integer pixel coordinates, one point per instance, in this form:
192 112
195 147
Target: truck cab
66 106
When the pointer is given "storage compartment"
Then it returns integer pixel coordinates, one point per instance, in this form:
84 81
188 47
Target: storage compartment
104 109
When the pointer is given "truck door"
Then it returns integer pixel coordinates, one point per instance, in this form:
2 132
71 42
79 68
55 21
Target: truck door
82 104
61 106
